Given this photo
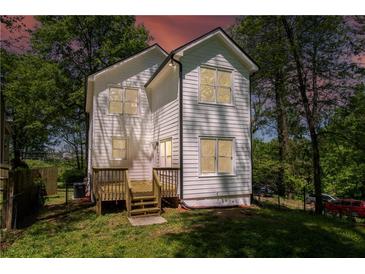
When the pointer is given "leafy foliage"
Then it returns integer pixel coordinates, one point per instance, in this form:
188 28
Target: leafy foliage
343 148
73 175
31 84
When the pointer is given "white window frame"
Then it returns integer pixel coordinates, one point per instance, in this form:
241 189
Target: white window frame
216 68
123 88
159 151
218 174
126 148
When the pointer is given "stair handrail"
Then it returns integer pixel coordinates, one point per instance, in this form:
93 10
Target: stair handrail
128 193
157 187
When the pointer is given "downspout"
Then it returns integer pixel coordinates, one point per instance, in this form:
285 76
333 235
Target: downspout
180 125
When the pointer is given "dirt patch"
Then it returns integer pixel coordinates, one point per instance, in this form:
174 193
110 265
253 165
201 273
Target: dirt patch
233 213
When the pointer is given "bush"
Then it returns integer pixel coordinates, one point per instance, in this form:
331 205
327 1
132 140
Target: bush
73 175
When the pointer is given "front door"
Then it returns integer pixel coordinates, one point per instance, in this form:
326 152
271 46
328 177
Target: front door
165 153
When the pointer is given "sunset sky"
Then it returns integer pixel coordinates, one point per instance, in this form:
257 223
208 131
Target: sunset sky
173 31
169 32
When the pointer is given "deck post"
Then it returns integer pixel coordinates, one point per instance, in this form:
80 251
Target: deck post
98 206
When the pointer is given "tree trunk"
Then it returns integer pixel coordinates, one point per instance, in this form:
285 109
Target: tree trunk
282 130
309 117
77 157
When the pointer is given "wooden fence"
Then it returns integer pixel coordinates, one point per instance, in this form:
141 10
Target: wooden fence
49 177
22 193
4 182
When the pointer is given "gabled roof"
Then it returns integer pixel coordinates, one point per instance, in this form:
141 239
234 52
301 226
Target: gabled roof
250 63
89 79
124 60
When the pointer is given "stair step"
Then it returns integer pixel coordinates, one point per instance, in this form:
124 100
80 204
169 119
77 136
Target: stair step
145 210
144 198
144 203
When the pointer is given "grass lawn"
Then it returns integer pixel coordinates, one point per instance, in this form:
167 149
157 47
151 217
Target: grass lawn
234 232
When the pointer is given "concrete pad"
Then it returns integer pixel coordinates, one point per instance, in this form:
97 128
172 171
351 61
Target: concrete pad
148 220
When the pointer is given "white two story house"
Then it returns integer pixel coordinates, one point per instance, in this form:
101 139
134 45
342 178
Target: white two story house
188 110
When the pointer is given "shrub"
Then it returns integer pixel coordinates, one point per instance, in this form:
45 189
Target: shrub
73 175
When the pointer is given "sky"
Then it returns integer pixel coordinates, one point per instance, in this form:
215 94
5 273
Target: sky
169 32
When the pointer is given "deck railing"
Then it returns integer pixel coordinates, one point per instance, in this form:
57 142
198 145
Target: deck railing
109 184
156 186
128 193
169 179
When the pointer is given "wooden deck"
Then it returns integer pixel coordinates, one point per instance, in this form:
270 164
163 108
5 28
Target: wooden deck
113 192
113 184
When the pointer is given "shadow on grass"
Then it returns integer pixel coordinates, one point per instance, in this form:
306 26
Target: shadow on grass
264 233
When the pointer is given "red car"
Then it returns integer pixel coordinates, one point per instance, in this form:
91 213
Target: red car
351 207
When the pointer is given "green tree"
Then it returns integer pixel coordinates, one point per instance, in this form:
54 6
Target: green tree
322 48
343 148
31 85
264 39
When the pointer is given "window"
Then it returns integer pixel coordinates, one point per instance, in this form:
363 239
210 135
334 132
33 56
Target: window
216 156
123 100
115 100
131 101
119 148
215 86
166 153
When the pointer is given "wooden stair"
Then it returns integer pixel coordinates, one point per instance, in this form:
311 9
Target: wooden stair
144 206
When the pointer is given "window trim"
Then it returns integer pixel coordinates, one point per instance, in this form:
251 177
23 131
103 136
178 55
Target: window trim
126 148
216 68
217 174
159 150
123 88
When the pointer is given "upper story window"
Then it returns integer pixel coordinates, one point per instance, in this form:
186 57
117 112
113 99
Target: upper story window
215 86
123 100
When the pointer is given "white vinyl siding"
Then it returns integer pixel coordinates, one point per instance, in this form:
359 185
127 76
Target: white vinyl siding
165 114
138 129
202 119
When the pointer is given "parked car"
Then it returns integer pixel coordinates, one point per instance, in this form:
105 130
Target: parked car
265 191
349 207
325 198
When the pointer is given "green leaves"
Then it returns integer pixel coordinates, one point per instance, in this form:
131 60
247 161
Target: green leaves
84 44
343 148
31 87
